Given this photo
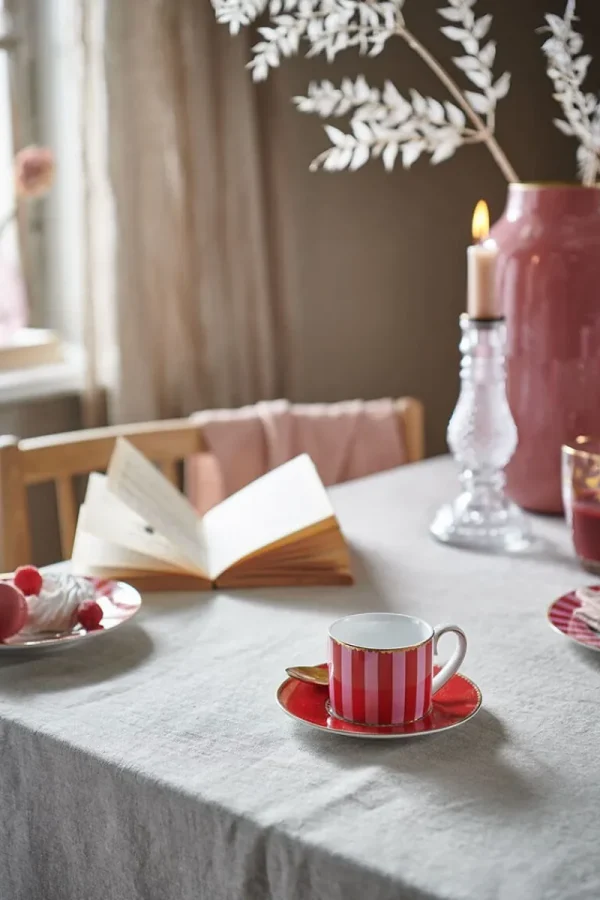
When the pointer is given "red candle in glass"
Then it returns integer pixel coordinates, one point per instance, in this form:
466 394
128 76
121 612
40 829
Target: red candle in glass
586 528
581 495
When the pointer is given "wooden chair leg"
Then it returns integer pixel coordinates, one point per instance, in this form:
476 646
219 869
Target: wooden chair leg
15 537
66 500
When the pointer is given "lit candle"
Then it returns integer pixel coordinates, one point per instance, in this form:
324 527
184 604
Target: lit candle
481 268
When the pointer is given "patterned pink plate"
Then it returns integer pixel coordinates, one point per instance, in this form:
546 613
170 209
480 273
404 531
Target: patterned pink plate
119 602
560 616
454 704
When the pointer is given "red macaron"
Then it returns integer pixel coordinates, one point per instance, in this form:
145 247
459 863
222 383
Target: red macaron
13 610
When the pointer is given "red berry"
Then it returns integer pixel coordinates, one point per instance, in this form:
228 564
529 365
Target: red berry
89 615
28 579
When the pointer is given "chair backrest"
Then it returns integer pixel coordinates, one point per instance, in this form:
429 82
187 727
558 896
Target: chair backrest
60 458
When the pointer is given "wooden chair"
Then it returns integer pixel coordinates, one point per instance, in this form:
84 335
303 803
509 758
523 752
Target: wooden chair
60 458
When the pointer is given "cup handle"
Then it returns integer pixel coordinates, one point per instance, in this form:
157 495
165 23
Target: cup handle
455 661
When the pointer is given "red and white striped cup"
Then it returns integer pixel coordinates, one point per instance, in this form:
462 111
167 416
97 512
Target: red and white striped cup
381 667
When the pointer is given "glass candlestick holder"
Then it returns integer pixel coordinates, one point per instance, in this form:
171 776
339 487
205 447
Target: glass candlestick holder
482 436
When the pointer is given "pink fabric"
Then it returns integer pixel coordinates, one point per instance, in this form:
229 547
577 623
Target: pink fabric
345 441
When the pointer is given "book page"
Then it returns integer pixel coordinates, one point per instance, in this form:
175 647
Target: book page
137 483
106 519
274 507
92 552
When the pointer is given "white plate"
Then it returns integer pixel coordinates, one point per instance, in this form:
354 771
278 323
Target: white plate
119 602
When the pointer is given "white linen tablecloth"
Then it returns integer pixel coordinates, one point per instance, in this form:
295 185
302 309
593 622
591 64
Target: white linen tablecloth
155 765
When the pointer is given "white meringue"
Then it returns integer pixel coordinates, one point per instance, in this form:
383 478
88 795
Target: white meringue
55 607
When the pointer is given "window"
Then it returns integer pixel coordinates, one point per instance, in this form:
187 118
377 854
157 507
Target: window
9 245
39 92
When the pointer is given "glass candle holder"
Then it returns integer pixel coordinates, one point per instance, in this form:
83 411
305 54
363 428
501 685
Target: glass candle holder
482 437
581 498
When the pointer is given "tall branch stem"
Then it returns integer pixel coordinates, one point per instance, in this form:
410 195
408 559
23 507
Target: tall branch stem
453 89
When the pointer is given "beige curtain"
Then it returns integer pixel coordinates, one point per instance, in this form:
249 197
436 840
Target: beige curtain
180 299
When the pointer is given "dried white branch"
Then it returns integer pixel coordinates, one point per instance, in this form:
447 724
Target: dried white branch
238 13
478 61
385 124
568 68
409 128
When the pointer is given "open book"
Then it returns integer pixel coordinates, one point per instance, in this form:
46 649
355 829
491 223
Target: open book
134 525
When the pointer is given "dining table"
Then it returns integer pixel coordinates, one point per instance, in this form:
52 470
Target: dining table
154 763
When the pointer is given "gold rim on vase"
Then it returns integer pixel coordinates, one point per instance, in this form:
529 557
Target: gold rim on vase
549 185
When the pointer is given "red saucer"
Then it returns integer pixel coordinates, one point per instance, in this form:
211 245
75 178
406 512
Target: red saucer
455 703
561 617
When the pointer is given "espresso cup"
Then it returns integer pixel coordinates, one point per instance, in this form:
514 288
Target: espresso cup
381 667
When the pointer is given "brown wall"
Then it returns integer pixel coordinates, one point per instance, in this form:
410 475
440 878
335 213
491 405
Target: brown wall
378 260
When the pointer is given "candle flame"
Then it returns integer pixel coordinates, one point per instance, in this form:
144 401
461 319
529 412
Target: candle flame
481 221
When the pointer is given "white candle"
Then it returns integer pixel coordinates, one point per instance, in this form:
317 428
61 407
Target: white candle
481 269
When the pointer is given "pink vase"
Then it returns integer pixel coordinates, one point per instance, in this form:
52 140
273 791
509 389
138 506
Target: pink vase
549 284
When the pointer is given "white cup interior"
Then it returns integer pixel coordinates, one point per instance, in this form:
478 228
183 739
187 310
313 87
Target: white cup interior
380 631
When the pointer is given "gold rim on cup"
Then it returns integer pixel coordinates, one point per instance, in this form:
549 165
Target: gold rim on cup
573 450
375 650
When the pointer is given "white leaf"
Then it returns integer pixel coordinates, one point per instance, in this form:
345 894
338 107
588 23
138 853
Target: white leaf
575 44
361 131
581 65
377 47
345 157
361 90
502 86
455 115
314 29
444 151
395 118
451 15
411 152
479 102
480 79
389 156
487 55
465 63
419 103
564 127
471 45
455 34
482 26
436 111
272 57
393 98
337 137
332 161
556 23
260 70
359 157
